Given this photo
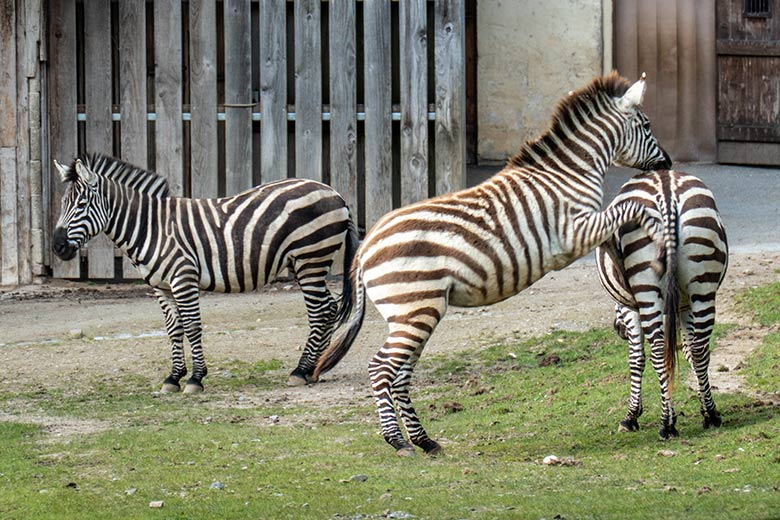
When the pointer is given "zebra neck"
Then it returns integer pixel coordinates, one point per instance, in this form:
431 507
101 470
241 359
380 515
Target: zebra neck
135 221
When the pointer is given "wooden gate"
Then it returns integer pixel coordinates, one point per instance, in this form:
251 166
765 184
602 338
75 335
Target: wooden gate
219 96
748 49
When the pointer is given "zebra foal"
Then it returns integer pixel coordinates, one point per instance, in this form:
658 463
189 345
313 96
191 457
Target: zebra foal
232 244
650 304
487 243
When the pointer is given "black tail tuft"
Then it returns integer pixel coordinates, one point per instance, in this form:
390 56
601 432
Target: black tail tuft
351 243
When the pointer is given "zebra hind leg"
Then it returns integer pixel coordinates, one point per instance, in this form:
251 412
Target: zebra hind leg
321 312
176 336
697 352
628 327
668 417
400 391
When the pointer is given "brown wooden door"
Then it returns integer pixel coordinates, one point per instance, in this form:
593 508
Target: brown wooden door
748 55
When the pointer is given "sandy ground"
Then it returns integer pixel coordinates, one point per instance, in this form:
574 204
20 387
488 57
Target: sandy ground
68 335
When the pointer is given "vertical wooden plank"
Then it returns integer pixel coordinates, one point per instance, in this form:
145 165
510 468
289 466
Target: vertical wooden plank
414 110
132 95
203 94
62 103
450 66
665 124
238 96
273 90
687 84
308 90
343 119
647 29
707 81
9 245
9 251
168 93
97 62
626 38
378 92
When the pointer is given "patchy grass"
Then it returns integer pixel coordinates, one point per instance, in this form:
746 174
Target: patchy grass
214 456
762 368
762 303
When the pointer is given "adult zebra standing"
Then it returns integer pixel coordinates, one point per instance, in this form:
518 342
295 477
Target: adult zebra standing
232 244
487 243
649 302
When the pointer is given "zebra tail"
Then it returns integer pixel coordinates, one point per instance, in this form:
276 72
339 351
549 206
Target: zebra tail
341 344
672 298
351 243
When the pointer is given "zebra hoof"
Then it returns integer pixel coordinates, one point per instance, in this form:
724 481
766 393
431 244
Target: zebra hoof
170 388
712 419
296 381
192 388
405 452
430 447
628 425
668 432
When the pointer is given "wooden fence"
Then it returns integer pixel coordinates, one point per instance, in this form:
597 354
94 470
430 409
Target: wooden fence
219 96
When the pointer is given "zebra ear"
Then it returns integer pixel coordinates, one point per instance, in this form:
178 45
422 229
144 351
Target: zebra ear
85 174
63 170
634 95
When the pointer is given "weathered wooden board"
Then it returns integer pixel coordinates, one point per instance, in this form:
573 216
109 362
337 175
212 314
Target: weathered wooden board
273 90
450 67
414 107
99 131
133 92
238 96
62 111
343 121
378 107
203 99
9 205
168 131
308 90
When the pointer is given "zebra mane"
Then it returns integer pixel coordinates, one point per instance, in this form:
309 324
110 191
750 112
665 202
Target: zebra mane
613 85
133 177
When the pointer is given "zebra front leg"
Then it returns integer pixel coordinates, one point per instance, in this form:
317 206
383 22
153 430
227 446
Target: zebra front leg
176 336
186 294
320 310
697 352
627 323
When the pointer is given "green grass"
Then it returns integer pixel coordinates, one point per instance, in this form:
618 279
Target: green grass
762 303
521 400
762 368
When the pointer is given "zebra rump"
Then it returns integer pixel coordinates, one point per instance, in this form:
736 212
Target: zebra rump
652 305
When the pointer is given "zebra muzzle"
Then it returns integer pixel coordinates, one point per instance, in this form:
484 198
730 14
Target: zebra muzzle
62 247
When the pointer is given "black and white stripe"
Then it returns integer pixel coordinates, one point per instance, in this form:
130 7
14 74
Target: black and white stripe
484 244
232 244
649 303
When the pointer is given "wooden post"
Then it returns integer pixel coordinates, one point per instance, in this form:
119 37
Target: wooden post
97 62
308 90
378 90
450 66
132 73
62 105
203 95
9 243
343 102
238 96
414 109
168 129
273 90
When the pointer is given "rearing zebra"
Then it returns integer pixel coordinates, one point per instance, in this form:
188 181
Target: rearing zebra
484 244
649 303
231 244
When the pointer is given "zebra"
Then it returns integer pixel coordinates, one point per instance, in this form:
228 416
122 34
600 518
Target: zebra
232 244
484 244
648 303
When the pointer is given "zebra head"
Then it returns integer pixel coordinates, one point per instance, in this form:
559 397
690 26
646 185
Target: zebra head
638 148
83 213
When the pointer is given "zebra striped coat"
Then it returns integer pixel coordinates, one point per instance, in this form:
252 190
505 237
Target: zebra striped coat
233 244
482 245
649 303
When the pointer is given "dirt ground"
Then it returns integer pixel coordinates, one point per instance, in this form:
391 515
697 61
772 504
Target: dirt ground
68 335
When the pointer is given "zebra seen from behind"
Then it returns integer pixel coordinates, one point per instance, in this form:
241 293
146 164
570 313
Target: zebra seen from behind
649 303
232 244
487 243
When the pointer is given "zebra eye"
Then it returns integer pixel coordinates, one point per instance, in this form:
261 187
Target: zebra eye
81 203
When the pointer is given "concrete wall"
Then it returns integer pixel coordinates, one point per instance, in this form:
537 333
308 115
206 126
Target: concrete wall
531 54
